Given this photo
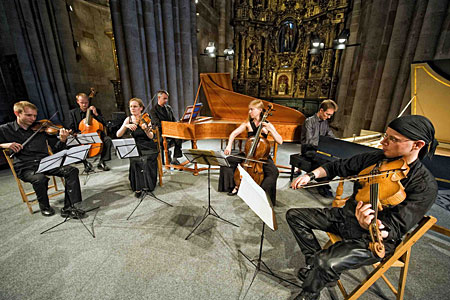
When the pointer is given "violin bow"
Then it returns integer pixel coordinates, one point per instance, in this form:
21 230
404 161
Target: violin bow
33 135
352 178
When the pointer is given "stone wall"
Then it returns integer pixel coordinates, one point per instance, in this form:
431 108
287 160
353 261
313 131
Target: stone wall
96 63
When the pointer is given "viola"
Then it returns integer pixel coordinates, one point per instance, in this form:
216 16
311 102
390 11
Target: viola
381 187
257 149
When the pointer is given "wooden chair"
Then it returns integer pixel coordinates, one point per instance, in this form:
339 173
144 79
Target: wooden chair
24 194
157 140
400 257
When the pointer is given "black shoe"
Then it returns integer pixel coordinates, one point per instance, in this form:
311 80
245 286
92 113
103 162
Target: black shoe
138 194
47 210
174 162
102 166
73 213
304 295
88 167
233 192
303 272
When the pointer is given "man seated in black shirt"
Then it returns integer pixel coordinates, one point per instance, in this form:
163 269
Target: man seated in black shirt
27 158
313 127
78 114
163 112
410 138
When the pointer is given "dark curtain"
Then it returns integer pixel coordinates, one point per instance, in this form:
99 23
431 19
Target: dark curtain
374 83
156 48
43 44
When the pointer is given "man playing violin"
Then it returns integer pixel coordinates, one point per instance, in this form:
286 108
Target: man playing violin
163 112
77 115
26 160
410 138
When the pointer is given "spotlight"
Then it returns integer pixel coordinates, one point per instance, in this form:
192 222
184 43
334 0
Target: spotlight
341 40
229 53
211 49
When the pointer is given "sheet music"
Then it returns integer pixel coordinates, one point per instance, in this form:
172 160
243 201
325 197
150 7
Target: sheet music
256 198
76 154
50 162
206 157
125 148
87 138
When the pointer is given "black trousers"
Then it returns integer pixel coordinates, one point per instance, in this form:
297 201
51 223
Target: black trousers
176 143
269 183
106 150
39 181
327 264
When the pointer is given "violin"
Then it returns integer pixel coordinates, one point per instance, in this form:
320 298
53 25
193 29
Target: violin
144 119
46 126
257 148
381 187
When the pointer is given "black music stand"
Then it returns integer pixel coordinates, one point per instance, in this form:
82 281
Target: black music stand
85 139
65 158
126 148
210 158
256 198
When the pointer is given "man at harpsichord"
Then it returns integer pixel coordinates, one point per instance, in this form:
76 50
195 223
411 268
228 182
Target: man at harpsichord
163 112
315 126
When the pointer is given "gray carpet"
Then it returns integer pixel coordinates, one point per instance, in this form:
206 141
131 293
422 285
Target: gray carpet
148 257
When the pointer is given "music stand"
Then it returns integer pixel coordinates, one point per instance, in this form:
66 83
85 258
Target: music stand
65 158
193 110
256 198
85 139
210 158
126 148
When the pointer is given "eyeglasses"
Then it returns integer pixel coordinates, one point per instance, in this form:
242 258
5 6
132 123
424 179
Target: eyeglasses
392 139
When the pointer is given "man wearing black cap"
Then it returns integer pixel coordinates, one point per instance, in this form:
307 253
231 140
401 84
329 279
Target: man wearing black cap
407 137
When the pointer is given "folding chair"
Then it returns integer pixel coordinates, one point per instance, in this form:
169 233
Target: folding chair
157 140
22 190
400 257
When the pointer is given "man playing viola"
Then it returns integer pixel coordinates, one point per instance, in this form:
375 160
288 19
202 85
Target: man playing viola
410 138
26 160
77 115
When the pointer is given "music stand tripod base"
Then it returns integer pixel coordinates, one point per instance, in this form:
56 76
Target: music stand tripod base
210 158
258 263
145 193
91 232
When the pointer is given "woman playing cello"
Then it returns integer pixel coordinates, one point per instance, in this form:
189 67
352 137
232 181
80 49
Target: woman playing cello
226 178
143 169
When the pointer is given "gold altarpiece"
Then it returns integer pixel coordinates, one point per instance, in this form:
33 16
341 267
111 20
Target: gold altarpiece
272 40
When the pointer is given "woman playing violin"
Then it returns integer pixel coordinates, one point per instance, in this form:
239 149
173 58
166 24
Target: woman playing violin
143 169
226 178
410 138
16 136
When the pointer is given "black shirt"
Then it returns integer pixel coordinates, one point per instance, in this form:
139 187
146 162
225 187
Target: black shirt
161 113
76 115
420 188
34 150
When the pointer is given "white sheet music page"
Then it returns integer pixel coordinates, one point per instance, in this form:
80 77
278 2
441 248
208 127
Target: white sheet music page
256 198
50 162
76 154
87 138
125 148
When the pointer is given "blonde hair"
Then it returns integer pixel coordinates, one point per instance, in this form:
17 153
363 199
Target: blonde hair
80 95
138 100
256 104
327 104
19 107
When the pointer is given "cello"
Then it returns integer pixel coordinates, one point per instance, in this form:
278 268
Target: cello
89 125
257 149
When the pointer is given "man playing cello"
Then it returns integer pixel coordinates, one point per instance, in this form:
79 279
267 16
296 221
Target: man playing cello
410 138
77 115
